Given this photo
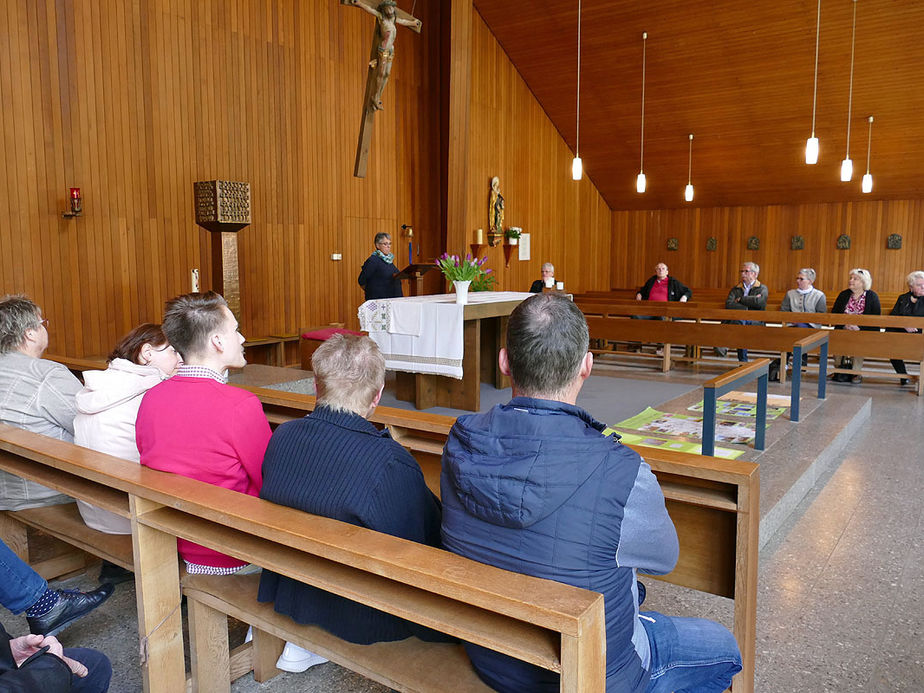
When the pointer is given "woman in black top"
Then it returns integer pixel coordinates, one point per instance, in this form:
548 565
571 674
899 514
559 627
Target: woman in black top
378 273
856 299
909 303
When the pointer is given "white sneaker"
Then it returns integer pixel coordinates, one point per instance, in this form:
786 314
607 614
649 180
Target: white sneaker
249 636
297 659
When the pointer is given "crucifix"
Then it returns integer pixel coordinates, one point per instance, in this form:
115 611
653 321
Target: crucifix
388 16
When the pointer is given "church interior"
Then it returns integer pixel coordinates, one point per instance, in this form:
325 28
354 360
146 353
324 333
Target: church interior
132 103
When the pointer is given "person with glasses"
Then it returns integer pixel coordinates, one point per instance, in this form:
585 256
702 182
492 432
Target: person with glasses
377 277
37 395
107 407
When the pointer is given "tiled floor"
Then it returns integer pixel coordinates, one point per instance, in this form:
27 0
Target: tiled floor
841 585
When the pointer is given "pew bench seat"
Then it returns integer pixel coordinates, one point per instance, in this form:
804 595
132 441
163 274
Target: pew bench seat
64 523
407 665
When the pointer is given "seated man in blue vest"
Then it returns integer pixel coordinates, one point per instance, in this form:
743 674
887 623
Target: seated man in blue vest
535 486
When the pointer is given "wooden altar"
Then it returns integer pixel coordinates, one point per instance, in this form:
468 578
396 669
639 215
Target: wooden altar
484 333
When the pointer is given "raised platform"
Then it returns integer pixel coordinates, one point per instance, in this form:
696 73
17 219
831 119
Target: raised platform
796 454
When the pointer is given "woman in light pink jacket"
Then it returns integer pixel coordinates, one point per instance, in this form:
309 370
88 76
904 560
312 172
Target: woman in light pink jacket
108 406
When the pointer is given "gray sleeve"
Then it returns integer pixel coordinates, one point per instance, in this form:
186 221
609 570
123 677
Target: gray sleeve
821 305
56 397
786 304
647 538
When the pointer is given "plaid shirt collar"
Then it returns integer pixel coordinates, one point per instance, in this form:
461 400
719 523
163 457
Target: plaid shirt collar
191 371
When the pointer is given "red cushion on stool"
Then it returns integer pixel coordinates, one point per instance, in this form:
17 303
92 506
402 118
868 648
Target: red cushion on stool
327 333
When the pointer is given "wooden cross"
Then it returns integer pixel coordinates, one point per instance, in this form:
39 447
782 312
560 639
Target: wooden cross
388 16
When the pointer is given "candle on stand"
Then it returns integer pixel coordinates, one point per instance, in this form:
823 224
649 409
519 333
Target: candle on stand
479 236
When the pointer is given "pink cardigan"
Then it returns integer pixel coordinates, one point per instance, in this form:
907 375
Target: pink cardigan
202 429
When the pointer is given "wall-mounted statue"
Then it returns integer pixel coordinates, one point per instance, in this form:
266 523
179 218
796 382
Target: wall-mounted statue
673 244
711 244
496 207
753 243
797 243
843 242
894 242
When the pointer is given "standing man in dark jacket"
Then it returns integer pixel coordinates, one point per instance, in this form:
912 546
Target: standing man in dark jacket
536 486
748 294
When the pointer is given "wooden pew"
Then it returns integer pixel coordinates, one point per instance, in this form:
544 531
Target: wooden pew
547 623
714 504
610 322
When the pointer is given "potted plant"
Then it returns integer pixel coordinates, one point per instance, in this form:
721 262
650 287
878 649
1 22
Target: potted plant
460 272
512 234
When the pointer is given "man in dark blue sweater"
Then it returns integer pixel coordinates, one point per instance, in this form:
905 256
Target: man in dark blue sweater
537 486
335 463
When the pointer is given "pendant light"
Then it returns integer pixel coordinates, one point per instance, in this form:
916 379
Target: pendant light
811 144
688 191
847 164
867 184
640 182
577 166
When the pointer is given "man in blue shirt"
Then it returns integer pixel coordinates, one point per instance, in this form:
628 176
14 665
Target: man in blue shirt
535 486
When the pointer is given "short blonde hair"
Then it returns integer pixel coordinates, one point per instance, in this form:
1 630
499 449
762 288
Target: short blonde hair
349 371
913 277
864 276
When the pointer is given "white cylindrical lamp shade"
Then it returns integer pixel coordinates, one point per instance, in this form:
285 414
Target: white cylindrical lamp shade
846 170
640 183
867 184
577 168
688 193
811 150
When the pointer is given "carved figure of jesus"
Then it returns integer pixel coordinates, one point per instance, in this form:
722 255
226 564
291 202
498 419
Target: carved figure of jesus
384 41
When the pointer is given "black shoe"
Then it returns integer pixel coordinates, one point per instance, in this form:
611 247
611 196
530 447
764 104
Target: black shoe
71 606
115 574
856 380
903 382
721 352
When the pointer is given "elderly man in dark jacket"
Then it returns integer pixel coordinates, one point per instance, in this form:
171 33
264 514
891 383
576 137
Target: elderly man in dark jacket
537 486
748 294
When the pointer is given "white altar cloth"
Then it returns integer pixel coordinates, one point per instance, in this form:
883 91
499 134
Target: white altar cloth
423 334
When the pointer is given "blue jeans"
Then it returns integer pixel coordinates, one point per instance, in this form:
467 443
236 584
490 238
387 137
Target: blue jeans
20 586
742 353
690 655
100 670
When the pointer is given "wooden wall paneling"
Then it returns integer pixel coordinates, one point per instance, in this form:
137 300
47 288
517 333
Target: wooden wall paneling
133 102
512 137
644 236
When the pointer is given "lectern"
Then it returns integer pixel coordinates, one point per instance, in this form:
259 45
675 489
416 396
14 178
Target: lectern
415 273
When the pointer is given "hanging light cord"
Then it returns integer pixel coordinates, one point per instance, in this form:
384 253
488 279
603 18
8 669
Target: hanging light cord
690 165
815 91
869 143
577 127
641 165
853 41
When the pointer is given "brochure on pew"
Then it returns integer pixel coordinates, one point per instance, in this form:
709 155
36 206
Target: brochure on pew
678 445
743 409
654 421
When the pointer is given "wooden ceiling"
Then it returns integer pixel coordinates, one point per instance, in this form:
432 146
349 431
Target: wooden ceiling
738 74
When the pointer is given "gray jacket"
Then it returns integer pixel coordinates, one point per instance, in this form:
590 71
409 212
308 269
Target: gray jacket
813 302
36 395
755 299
